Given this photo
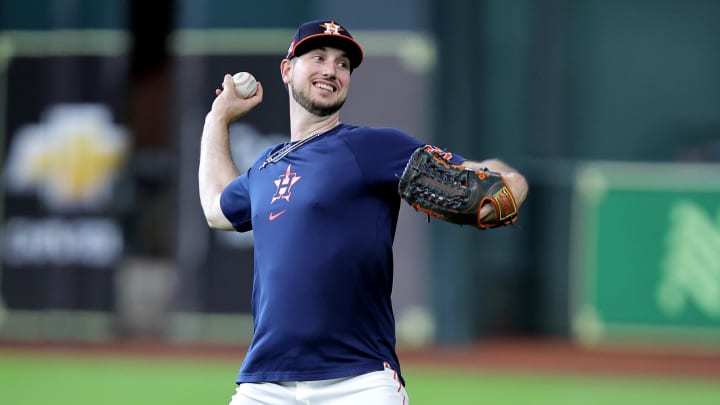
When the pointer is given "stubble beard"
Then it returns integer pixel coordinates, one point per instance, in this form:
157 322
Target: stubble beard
313 107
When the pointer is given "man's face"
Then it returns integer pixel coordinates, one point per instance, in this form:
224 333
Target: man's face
319 80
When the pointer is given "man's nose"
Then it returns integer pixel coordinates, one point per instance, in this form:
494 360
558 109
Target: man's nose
328 69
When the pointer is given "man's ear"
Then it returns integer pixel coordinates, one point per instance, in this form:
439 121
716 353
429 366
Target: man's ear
285 70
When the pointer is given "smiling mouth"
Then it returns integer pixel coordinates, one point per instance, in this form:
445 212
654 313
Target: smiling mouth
325 86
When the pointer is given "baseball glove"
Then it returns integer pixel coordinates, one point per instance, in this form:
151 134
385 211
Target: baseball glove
439 188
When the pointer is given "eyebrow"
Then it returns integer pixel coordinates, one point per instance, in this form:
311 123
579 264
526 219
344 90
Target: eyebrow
325 49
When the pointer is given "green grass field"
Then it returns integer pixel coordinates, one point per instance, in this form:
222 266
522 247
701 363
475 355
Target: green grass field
60 380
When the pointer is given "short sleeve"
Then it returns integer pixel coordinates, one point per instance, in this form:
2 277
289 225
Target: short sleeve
383 153
235 203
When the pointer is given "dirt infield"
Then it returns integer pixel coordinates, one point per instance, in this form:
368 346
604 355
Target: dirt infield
538 356
511 355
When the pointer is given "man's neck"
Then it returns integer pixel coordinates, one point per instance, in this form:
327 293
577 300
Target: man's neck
311 125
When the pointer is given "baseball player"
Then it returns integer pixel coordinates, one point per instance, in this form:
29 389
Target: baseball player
323 208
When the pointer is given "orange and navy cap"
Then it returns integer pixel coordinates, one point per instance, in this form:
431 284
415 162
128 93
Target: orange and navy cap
315 34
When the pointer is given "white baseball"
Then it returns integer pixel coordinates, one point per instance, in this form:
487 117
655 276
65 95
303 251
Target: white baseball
245 84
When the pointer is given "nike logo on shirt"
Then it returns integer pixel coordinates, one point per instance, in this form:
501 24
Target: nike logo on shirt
273 216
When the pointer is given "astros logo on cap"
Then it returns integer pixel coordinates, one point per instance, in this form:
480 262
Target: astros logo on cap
332 28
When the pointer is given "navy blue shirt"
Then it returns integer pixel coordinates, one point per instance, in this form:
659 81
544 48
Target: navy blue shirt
324 220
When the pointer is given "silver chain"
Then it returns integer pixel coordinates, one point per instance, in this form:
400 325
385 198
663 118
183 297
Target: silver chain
279 155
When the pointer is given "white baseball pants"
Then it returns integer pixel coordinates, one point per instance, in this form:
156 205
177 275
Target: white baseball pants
376 388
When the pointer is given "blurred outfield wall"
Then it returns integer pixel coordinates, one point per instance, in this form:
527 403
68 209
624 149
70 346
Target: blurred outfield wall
544 84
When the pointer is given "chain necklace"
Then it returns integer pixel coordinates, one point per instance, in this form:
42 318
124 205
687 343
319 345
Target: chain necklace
280 154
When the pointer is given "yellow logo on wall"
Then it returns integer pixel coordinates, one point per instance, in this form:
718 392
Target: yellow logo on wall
70 159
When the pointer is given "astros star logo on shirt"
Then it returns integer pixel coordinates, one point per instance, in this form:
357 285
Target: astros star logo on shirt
283 184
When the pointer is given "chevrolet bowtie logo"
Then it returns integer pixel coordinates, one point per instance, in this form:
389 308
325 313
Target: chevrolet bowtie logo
70 159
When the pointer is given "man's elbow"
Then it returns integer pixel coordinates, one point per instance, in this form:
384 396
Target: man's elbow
214 216
218 223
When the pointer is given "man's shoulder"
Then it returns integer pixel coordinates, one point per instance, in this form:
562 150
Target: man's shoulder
355 133
378 141
371 129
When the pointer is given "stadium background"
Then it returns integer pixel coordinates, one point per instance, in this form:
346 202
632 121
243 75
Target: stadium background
610 108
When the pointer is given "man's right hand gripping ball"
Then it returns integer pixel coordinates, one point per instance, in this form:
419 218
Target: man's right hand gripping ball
437 187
